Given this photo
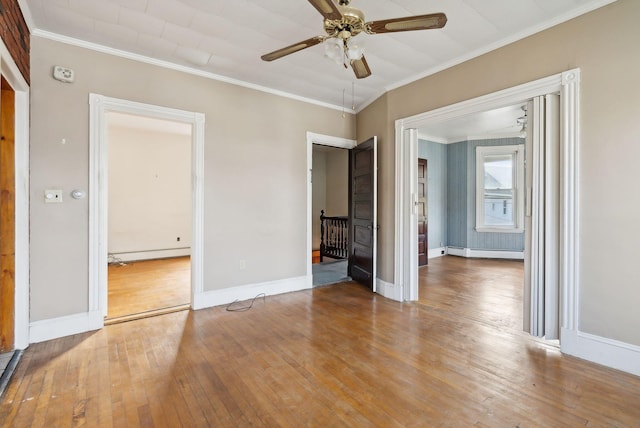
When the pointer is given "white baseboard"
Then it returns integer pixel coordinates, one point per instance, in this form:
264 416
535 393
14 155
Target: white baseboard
436 252
40 331
608 352
485 254
225 296
154 254
388 290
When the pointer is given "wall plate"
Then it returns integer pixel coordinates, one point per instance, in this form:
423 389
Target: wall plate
53 196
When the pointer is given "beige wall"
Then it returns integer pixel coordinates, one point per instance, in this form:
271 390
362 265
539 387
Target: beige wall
255 171
330 186
319 196
337 182
149 191
604 45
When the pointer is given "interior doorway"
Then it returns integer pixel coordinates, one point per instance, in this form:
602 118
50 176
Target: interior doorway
14 216
149 216
361 233
330 208
423 213
321 143
485 263
566 84
100 108
7 218
14 110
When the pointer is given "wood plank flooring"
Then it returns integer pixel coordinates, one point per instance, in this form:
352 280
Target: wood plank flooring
330 356
140 287
488 291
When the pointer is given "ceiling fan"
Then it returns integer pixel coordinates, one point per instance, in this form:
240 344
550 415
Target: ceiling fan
342 22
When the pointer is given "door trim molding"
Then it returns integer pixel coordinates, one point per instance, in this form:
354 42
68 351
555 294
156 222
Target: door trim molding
99 106
11 73
324 140
568 84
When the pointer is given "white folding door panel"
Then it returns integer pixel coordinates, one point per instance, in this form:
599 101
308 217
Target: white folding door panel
541 295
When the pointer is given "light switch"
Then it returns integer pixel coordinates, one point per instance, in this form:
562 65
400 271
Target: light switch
53 196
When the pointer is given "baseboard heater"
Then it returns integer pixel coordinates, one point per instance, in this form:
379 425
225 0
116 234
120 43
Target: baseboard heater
165 253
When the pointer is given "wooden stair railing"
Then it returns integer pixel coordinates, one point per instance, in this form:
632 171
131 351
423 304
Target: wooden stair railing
334 237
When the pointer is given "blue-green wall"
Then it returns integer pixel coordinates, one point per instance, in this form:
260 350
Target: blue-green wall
452 196
457 179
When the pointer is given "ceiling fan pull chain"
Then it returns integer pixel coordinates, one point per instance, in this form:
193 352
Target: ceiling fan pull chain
353 96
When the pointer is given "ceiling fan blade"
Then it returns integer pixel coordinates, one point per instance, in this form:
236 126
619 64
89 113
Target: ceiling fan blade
293 48
361 68
327 8
408 23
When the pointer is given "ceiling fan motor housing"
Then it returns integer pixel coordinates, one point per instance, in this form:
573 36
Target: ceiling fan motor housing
351 24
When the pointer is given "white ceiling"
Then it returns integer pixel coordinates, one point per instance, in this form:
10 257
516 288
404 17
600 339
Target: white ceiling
498 123
226 38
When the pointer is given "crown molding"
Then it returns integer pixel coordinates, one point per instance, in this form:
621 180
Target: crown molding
177 67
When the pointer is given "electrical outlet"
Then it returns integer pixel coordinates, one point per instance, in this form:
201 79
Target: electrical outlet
178 239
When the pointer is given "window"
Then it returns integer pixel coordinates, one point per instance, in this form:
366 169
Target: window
500 188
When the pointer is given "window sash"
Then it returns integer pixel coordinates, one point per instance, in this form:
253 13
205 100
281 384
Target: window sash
499 180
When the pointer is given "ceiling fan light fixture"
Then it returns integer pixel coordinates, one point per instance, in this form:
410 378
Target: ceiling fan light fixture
354 49
333 49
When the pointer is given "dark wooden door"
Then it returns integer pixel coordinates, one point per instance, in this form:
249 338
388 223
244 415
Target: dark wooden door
362 213
7 217
422 213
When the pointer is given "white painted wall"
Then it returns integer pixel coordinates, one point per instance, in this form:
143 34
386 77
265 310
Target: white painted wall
149 192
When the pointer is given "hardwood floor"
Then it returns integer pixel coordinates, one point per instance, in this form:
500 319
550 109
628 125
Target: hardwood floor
488 291
329 356
138 288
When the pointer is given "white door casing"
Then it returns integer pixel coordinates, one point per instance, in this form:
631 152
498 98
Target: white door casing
324 140
98 195
567 84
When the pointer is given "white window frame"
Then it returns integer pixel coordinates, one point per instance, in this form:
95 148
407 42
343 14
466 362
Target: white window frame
517 151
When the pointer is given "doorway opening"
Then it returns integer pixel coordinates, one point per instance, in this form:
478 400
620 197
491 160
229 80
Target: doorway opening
14 215
468 157
423 212
99 205
7 219
149 216
330 214
362 198
321 145
562 245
